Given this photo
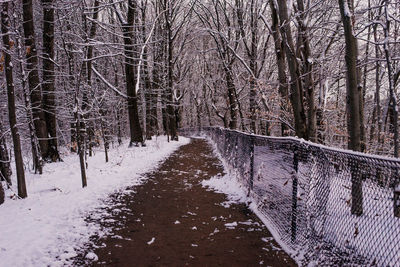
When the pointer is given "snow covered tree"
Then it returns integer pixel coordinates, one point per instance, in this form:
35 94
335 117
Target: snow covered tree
8 68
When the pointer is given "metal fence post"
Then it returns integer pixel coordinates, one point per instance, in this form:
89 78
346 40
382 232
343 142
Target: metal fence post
294 193
251 165
396 201
356 190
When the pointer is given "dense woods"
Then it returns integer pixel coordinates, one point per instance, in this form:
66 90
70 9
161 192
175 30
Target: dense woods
85 73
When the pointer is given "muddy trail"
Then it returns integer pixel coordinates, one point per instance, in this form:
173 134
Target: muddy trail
171 220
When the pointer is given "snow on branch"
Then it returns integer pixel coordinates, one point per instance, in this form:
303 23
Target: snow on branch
112 87
143 48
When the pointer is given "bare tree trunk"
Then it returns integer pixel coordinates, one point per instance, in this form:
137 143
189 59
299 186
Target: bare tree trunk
79 132
352 80
296 95
19 164
104 133
118 111
87 67
36 158
147 82
393 98
49 103
164 114
5 166
170 79
129 42
280 60
154 98
307 69
252 51
207 108
232 97
364 86
1 193
156 79
92 35
361 90
33 78
197 103
377 98
253 66
353 105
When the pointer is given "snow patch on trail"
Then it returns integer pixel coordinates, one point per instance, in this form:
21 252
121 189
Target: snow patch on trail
49 227
151 241
231 225
92 256
236 193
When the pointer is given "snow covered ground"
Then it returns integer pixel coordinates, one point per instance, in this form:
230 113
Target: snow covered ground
48 227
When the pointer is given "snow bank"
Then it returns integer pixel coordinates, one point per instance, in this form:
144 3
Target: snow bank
49 226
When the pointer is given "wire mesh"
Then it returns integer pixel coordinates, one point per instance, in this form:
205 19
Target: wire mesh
334 207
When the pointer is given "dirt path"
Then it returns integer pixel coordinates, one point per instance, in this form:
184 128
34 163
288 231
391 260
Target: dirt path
172 220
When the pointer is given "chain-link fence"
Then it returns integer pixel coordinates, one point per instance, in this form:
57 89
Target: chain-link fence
335 207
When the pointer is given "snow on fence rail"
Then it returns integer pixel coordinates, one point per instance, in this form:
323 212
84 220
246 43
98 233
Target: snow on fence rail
335 207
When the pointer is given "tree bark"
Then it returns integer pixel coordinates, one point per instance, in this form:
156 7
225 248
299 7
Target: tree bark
377 88
353 105
296 91
130 73
1 193
36 158
5 166
19 164
233 107
307 72
353 102
118 109
392 93
156 80
170 78
90 127
79 136
253 66
280 60
33 78
252 51
49 104
147 82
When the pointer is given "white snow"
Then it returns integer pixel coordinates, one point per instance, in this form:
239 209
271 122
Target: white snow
235 192
215 231
177 222
346 9
151 241
267 239
92 256
49 226
231 225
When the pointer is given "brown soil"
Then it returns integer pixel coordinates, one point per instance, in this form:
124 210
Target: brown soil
185 221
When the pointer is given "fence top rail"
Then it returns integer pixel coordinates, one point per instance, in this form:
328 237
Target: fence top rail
308 143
